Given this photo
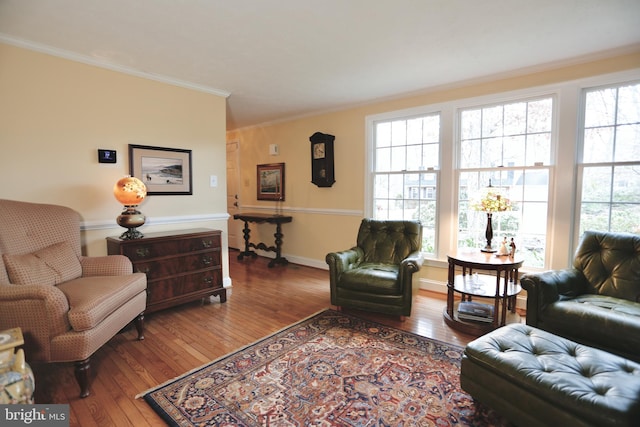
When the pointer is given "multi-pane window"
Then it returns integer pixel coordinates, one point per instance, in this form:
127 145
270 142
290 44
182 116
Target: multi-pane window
405 167
507 146
610 166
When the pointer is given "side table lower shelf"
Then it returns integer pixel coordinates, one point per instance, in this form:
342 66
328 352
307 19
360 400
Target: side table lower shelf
500 285
471 327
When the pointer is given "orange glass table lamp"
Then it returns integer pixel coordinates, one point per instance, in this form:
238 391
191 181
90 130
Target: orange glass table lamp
130 191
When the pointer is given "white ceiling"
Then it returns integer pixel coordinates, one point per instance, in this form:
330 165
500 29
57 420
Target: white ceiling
279 59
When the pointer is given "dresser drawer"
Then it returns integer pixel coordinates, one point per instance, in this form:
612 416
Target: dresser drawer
179 286
177 265
150 249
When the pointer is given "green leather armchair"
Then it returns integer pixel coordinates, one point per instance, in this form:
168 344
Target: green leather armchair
597 301
378 273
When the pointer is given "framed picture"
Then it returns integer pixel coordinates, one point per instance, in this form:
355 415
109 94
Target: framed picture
271 181
165 171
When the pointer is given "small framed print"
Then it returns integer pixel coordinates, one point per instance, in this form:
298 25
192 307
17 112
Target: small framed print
165 171
270 179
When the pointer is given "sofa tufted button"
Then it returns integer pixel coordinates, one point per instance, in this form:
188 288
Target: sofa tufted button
601 391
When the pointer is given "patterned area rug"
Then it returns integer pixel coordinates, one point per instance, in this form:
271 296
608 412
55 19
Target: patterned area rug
331 369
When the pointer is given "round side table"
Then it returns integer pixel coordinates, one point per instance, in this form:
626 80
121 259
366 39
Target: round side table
501 285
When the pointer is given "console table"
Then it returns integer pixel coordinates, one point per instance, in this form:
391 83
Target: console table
260 218
502 288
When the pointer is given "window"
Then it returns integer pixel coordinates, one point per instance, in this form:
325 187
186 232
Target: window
406 155
610 166
507 146
567 155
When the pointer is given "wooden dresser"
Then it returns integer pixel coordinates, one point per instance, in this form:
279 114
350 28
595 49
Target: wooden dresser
181 266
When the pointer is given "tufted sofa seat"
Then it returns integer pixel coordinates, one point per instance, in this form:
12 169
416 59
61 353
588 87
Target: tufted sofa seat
597 301
535 378
377 273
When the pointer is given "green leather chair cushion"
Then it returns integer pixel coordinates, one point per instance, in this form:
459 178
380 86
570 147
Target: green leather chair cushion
597 321
373 278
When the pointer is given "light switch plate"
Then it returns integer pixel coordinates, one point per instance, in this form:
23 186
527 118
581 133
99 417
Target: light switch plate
213 181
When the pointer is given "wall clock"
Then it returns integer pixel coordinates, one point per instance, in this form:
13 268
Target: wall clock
322 173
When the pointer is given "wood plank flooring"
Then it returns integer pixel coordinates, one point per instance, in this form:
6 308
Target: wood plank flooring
263 300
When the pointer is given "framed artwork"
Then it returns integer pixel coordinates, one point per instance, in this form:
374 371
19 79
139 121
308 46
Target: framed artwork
165 171
271 181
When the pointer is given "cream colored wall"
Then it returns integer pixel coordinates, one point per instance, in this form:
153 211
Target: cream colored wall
326 219
55 114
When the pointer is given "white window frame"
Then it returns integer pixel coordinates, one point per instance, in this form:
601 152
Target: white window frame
370 148
580 165
562 212
549 167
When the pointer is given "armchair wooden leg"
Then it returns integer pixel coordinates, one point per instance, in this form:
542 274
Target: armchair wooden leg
140 326
82 376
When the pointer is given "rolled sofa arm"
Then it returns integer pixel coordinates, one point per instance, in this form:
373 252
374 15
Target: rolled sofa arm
338 263
108 265
41 312
412 263
344 260
550 286
408 267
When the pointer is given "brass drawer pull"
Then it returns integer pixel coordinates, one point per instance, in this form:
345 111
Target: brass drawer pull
208 280
207 243
207 260
142 252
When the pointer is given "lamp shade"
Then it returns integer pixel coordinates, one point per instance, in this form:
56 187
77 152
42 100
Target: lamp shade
490 200
130 191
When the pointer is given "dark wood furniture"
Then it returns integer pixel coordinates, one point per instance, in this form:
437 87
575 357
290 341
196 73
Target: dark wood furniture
260 218
322 167
503 288
181 266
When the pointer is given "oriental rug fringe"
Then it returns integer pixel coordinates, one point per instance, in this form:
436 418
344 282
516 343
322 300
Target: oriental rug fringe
331 369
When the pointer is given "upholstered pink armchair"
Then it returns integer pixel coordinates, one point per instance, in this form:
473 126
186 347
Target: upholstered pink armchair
67 305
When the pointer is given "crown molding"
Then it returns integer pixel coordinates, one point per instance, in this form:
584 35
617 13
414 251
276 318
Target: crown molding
72 56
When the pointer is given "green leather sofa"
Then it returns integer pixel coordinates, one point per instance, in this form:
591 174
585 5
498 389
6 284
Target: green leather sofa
597 301
378 273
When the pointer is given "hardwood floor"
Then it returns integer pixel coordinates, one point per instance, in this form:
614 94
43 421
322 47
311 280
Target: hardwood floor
179 339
